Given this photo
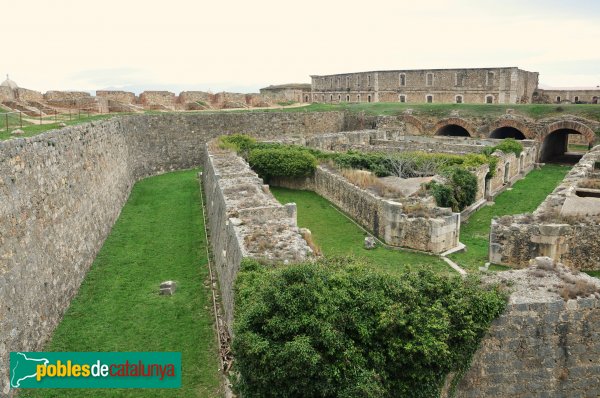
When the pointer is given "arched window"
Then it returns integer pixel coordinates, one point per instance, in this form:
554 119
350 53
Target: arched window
368 80
402 98
306 98
576 99
339 98
429 99
458 99
402 79
347 98
489 99
489 78
331 98
369 98
558 99
358 98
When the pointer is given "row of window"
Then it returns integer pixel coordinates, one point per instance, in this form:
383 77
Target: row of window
489 99
459 79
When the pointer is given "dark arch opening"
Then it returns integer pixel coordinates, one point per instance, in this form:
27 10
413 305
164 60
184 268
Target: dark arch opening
507 132
453 130
555 148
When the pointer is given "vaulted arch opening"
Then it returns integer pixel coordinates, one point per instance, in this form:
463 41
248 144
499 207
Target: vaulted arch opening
555 148
508 132
453 130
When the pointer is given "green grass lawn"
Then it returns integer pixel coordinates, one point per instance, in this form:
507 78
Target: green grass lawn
525 197
158 236
535 111
35 129
336 235
595 274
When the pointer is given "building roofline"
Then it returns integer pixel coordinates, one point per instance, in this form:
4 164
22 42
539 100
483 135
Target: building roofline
414 70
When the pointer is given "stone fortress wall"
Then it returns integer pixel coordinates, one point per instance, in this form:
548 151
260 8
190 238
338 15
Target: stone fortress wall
542 345
468 85
61 191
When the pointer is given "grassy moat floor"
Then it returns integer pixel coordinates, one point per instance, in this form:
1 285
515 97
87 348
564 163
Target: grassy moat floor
159 236
524 197
336 235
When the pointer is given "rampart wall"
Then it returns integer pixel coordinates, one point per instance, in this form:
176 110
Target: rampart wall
61 192
542 345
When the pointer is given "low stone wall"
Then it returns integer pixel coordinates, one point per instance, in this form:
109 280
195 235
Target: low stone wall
564 227
509 168
245 220
387 219
542 346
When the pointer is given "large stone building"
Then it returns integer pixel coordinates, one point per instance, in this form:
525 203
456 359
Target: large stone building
509 85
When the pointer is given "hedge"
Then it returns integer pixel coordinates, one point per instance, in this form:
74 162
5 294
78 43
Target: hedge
339 328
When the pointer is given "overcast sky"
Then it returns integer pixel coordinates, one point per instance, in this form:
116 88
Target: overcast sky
242 45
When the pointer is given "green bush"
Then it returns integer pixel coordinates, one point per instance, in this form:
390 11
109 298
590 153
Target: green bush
443 194
464 187
507 145
240 143
282 162
338 328
379 164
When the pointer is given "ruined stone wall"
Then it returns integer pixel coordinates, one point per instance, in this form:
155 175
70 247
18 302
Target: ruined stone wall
124 97
186 97
24 94
245 220
158 100
65 95
541 346
387 219
393 141
61 191
563 227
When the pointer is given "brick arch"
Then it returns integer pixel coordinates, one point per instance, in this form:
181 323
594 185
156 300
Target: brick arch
581 128
522 127
414 121
454 120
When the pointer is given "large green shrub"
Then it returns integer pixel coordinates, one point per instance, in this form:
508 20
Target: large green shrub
464 187
338 328
281 162
507 145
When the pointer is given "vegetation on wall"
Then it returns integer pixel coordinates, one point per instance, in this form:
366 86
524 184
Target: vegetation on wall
338 328
508 145
282 162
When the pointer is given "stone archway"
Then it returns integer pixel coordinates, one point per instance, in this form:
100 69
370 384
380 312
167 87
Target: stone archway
455 127
415 126
509 128
555 141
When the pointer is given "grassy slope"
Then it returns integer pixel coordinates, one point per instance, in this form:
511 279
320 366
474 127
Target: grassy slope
536 111
336 235
525 196
157 237
35 129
